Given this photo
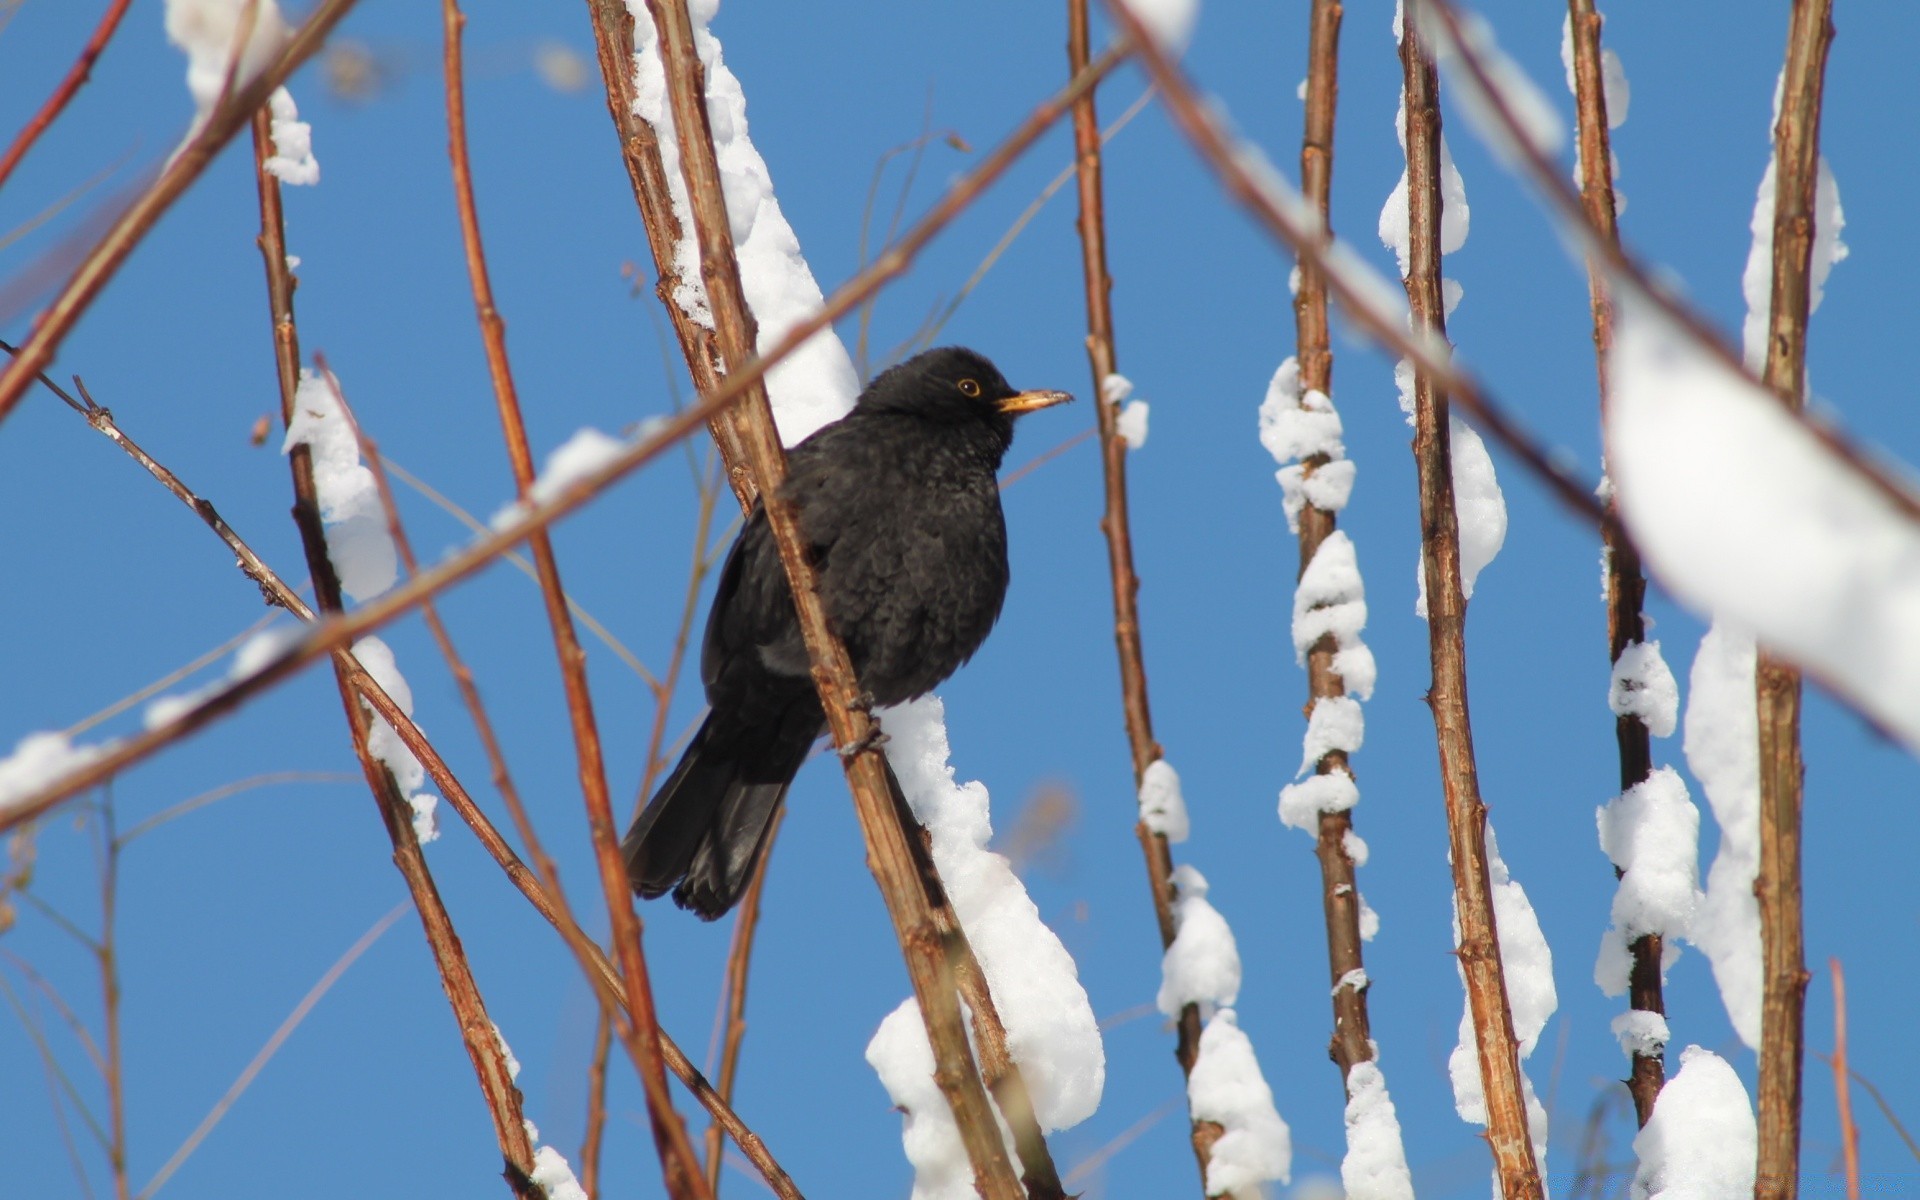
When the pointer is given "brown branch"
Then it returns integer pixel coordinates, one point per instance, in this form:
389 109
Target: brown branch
342 630
1626 581
1351 1042
678 1163
1479 952
739 954
56 102
1842 1092
225 120
483 1045
1776 681
106 957
595 1136
1114 524
927 954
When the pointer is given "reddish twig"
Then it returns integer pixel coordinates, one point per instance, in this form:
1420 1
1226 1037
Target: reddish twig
746 923
225 120
678 1162
1115 525
1842 1091
595 1136
1776 681
1479 951
75 78
483 1045
1626 581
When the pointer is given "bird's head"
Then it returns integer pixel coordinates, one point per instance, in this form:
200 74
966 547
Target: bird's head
954 385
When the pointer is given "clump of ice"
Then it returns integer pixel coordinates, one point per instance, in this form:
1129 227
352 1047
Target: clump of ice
1302 803
1202 966
1162 808
1701 1141
1651 832
1168 22
1131 424
1507 86
39 759
292 161
1643 687
384 743
1613 78
358 541
1375 1166
580 455
816 384
1226 1087
210 31
1335 723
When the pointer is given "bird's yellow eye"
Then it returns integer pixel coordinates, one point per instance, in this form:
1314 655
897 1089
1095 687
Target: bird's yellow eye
969 387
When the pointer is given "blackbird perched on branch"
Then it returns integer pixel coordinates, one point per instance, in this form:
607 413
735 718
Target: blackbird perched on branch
900 508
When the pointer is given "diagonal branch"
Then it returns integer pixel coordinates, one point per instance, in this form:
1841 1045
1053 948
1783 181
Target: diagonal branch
1479 951
56 101
1114 523
1626 581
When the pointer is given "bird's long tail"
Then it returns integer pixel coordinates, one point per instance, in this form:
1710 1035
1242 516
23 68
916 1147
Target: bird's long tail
704 830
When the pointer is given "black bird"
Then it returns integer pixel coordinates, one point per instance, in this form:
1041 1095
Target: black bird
900 509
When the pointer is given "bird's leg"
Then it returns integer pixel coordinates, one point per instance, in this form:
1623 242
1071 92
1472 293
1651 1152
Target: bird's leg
863 703
874 736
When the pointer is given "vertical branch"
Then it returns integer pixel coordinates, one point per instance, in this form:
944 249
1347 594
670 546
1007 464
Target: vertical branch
456 976
1479 951
929 955
1114 524
1777 682
1626 580
677 1160
1339 890
1842 1088
114 1067
739 954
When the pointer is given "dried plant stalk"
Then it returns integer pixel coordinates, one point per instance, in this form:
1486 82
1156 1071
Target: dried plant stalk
1114 524
1626 581
1776 681
1479 951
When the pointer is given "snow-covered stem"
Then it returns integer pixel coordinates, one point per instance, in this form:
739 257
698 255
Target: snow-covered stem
450 960
1115 525
1776 681
928 949
746 922
115 245
56 100
1547 180
578 492
1626 581
1285 219
1339 889
679 1164
1842 1087
1479 950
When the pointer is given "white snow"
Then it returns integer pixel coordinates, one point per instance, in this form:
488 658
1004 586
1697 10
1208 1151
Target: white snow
1510 87
1722 746
1162 808
1168 22
1355 848
292 161
1202 966
1330 599
1643 687
1302 803
1756 282
1613 77
384 743
1295 425
816 384
1115 388
1375 1167
39 759
580 455
1651 833
1743 514
552 1175
1479 507
1354 980
1131 424
358 542
1051 1030
1641 1032
1226 1087
1701 1141
1335 723
210 32
900 1054
1395 218
253 654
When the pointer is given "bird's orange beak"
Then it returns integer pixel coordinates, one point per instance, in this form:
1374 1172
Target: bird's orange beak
1026 402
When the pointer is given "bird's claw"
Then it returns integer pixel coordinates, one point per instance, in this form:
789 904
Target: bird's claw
875 736
862 703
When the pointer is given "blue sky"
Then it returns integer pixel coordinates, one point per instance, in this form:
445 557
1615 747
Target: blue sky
229 915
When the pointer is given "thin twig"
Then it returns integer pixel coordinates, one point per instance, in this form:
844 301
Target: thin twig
483 1045
679 1165
253 1068
342 630
746 922
1880 1102
1776 681
222 122
76 76
1626 582
108 960
1115 524
1842 1094
215 795
169 679
595 1135
1479 952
